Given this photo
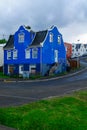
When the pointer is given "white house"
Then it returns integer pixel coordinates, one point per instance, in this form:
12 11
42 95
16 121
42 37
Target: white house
85 51
1 54
78 49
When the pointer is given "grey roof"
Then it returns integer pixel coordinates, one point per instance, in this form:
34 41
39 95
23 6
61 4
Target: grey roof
39 38
10 42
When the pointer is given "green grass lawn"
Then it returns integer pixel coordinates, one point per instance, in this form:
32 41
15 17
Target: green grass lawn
63 113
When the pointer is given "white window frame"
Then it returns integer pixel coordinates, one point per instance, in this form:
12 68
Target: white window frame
15 54
21 68
59 39
34 53
27 53
8 55
21 37
51 37
32 69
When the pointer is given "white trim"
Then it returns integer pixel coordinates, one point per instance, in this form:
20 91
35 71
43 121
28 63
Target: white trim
9 55
15 54
27 53
20 69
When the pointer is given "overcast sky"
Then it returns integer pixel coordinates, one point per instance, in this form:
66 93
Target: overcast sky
69 16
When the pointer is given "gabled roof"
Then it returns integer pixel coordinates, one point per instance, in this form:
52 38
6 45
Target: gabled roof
39 38
10 42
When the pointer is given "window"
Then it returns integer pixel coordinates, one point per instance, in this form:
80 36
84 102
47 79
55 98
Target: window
21 69
8 55
27 53
56 55
59 39
21 37
34 53
15 54
32 69
51 37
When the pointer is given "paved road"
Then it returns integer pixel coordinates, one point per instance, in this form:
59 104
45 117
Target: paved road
17 93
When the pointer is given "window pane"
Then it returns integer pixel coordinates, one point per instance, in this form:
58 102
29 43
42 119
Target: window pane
14 54
21 37
59 39
51 37
8 55
27 53
34 53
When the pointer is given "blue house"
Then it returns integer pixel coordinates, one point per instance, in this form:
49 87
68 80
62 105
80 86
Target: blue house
14 51
40 52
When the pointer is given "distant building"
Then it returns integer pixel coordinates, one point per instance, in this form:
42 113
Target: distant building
1 54
68 47
78 49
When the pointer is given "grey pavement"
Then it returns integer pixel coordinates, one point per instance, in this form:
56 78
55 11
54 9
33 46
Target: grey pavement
6 128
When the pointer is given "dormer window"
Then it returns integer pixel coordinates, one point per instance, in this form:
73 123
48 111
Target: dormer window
59 39
51 37
21 37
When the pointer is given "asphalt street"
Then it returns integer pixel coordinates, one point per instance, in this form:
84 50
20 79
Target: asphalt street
17 93
20 92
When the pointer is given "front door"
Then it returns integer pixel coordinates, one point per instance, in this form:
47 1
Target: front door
21 69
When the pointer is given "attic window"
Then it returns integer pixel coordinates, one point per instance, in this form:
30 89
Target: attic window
51 37
21 37
59 39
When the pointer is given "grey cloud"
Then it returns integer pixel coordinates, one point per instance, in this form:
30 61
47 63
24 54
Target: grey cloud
41 14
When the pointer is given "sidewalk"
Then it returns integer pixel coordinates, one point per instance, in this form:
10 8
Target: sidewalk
5 128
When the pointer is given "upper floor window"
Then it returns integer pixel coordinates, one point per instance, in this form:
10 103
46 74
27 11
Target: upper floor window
34 53
8 55
15 54
59 39
51 37
21 37
27 53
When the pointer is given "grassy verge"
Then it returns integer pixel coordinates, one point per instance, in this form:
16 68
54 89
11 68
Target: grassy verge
3 76
65 113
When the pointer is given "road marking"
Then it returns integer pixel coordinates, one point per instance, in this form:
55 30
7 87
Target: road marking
20 97
65 93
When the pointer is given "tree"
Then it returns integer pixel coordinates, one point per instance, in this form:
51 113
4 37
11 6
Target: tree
3 41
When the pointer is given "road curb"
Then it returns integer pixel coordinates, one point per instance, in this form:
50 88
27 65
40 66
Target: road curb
42 80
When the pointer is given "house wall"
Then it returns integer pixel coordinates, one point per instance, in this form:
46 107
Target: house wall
76 52
68 47
50 47
20 47
1 54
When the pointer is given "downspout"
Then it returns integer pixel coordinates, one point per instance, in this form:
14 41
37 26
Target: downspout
41 64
